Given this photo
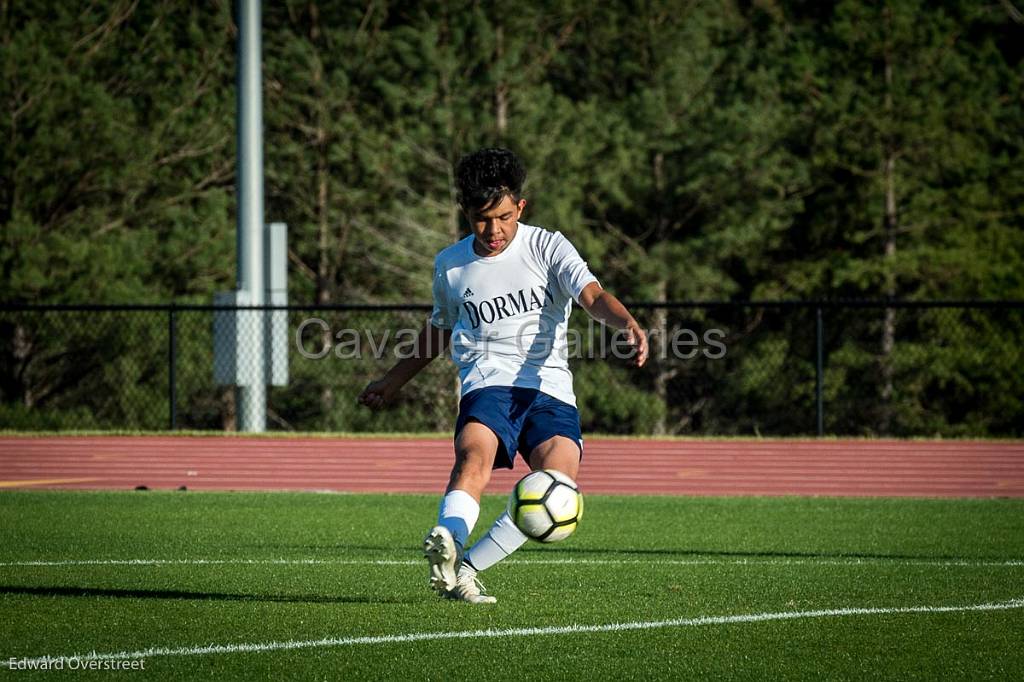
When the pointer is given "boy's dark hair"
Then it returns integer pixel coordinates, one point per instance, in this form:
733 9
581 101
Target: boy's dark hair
485 176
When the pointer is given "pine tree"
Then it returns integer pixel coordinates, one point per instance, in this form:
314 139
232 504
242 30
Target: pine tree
912 108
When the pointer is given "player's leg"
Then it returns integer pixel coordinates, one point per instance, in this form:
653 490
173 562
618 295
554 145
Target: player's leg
551 435
485 434
475 448
503 410
557 452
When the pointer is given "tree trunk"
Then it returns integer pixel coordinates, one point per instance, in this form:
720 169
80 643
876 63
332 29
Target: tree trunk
324 274
889 321
324 271
22 353
323 266
662 372
891 224
228 413
659 316
501 90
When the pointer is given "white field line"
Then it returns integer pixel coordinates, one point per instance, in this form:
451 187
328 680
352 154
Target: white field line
852 561
509 632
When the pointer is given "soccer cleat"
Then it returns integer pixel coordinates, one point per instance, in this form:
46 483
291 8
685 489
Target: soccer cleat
444 556
469 589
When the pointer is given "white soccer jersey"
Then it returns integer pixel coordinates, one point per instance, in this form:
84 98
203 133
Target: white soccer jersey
509 313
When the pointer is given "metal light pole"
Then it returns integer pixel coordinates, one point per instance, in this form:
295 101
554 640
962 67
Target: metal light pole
251 396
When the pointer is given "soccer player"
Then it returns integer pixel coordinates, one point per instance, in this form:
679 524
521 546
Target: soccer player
502 298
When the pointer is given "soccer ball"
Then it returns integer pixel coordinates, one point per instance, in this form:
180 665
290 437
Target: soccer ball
546 505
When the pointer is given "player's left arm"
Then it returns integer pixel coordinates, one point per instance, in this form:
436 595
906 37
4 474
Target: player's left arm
604 307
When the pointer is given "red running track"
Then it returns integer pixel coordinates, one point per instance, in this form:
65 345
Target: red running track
667 467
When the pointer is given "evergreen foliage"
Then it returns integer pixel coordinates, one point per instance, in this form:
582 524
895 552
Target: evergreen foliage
781 149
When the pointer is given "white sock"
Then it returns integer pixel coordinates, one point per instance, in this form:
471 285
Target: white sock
458 513
501 540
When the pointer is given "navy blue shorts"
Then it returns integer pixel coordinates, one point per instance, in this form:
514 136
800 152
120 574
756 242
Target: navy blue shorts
522 418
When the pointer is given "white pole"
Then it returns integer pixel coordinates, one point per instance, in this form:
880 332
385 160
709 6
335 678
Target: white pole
251 394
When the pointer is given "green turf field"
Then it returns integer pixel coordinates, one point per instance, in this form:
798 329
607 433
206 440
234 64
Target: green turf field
312 586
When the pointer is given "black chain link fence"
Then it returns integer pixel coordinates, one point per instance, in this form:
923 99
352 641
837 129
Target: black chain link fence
771 369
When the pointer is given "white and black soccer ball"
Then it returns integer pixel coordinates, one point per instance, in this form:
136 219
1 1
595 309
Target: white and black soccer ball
546 505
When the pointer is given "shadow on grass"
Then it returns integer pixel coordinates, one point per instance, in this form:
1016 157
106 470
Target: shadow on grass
335 547
196 596
669 553
766 554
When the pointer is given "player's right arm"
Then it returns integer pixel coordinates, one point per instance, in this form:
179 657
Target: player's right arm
431 342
